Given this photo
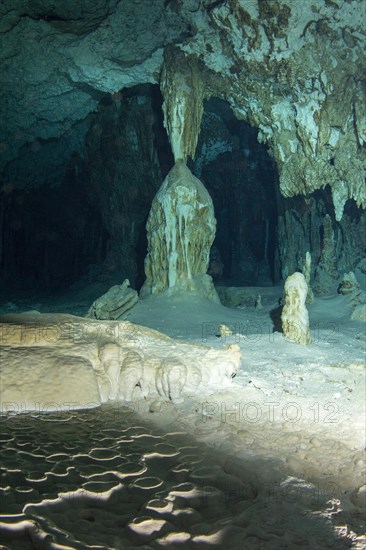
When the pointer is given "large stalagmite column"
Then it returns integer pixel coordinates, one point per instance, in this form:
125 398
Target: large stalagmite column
181 226
180 230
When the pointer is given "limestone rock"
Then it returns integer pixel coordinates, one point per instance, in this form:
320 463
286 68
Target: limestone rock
326 273
359 305
291 69
180 231
225 331
307 274
294 317
349 284
182 88
258 302
359 313
58 362
115 303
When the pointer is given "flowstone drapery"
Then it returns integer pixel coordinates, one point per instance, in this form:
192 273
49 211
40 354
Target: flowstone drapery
57 362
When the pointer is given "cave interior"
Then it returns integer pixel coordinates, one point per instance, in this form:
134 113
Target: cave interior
182 274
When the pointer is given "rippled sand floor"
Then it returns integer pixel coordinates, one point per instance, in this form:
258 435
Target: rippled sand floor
106 479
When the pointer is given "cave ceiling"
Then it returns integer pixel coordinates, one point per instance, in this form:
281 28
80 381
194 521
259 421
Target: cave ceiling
293 69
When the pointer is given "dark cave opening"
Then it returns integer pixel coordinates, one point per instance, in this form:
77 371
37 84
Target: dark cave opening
43 237
90 226
242 180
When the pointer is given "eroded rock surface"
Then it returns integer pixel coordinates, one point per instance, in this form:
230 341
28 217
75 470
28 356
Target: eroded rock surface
115 303
51 361
294 316
292 69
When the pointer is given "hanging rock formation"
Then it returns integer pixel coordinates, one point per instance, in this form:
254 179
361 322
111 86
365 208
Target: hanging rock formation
182 86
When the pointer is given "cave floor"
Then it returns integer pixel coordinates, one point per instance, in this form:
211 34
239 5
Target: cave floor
275 460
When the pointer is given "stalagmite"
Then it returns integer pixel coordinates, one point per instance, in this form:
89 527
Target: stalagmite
181 226
294 317
180 231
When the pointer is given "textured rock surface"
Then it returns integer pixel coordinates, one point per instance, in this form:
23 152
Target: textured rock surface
349 284
182 87
58 361
180 231
292 69
115 303
59 60
307 224
122 154
294 316
326 275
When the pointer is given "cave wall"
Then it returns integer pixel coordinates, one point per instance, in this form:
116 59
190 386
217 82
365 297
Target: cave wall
50 237
91 226
128 155
262 237
293 70
309 224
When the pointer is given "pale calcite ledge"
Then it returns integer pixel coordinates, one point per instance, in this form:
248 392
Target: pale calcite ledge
180 231
295 317
61 362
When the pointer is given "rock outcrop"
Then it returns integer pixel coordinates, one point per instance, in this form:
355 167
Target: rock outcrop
57 362
115 303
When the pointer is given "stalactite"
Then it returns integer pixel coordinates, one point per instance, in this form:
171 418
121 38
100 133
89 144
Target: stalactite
182 86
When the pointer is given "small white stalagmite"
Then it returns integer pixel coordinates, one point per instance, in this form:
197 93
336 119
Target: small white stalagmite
295 317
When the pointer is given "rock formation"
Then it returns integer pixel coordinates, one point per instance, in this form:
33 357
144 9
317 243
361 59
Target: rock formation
292 70
180 231
326 274
295 317
307 274
181 225
56 362
351 287
182 87
115 303
349 284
